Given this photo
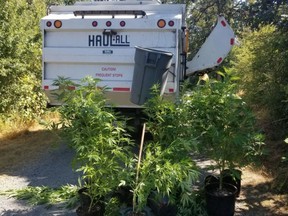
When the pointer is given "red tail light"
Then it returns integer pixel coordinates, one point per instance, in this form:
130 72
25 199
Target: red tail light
171 23
94 23
219 60
48 23
108 23
122 23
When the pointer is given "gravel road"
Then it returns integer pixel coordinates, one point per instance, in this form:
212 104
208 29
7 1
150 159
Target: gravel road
51 168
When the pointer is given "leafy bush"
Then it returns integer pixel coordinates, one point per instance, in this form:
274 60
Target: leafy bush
224 124
20 57
261 61
163 170
170 120
167 165
97 135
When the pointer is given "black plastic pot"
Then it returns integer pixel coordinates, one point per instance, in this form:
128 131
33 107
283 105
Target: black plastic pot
220 203
124 195
229 176
210 179
98 208
83 197
129 212
233 177
161 206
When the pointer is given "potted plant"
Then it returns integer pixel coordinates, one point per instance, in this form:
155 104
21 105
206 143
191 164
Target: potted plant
165 170
162 173
99 140
230 176
225 126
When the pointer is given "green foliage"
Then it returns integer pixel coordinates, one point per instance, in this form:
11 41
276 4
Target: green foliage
202 14
113 207
169 121
66 195
261 12
60 2
162 169
195 206
261 61
167 166
224 124
96 134
20 57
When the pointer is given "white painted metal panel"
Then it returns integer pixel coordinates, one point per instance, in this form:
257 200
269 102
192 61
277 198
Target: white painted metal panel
94 39
171 9
105 72
78 48
215 48
87 55
77 23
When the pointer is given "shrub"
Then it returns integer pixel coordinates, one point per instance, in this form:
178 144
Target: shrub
224 124
167 165
20 57
261 62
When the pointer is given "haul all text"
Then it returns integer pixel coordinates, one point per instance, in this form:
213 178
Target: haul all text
108 40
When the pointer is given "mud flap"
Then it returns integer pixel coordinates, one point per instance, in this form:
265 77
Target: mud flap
215 48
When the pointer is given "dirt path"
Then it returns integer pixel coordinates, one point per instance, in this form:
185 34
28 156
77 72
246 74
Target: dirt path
257 197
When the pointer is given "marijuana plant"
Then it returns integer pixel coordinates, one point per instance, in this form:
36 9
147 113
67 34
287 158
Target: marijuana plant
98 136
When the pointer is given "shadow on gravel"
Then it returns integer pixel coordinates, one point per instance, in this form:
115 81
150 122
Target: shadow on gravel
260 200
205 167
54 169
39 211
256 199
34 162
36 158
40 164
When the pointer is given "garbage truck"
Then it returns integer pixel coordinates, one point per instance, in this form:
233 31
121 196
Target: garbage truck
128 44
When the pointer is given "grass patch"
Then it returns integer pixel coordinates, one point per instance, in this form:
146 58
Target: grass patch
12 127
23 141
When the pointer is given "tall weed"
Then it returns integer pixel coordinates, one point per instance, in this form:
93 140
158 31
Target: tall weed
262 61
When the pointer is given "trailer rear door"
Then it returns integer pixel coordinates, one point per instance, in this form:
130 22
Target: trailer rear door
100 42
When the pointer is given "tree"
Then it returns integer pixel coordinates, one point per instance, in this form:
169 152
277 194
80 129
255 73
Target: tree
262 61
64 2
201 16
20 57
263 12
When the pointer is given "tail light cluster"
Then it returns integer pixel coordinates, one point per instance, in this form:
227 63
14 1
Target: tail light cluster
57 24
161 23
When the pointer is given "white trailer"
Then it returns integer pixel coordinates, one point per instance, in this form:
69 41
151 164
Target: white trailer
98 38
